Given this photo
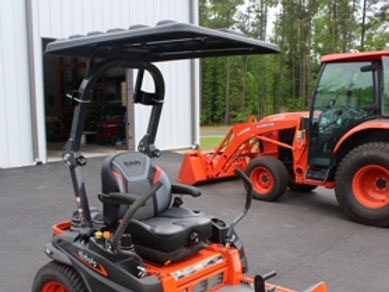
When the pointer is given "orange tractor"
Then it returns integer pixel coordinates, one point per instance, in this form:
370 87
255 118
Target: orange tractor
342 143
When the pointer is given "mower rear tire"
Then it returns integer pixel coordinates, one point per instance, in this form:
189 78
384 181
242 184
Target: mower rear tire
57 277
269 178
362 184
301 188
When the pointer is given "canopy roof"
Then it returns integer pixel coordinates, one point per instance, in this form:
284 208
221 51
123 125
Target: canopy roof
346 57
168 40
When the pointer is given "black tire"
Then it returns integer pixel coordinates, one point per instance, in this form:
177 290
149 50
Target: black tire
59 273
279 177
371 154
301 188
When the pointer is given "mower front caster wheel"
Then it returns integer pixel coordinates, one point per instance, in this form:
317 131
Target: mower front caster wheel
57 277
269 178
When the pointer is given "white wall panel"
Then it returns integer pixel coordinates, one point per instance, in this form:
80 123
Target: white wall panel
61 18
15 119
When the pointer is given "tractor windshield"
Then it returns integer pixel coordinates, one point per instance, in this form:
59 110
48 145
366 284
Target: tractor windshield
344 96
385 93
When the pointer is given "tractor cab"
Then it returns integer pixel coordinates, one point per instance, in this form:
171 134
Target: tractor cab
347 94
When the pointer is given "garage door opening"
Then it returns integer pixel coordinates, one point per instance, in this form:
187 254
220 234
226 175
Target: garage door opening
106 127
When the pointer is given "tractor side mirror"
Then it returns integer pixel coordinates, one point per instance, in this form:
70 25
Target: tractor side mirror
304 123
370 68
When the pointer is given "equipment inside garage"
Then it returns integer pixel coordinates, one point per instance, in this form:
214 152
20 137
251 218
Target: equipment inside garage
105 123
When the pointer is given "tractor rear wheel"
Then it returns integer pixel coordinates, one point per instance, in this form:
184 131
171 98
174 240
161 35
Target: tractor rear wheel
362 184
269 178
57 277
301 187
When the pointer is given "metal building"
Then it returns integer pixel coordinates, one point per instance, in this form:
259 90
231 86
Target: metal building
23 26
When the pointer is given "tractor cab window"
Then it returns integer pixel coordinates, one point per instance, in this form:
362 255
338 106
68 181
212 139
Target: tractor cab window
385 93
344 96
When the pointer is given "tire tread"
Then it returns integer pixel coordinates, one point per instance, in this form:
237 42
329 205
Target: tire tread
53 267
343 165
279 168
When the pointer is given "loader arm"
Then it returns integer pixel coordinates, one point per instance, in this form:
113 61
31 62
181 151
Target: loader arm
242 143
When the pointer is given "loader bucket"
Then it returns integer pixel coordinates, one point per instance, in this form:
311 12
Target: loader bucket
193 168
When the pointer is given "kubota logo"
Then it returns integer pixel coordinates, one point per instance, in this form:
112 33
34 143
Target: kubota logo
87 259
132 163
90 262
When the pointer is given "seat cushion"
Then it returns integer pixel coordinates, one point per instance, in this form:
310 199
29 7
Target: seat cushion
171 230
162 257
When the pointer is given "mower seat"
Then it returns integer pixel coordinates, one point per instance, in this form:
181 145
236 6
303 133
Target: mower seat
160 232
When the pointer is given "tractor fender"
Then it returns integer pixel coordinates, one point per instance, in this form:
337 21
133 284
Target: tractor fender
369 125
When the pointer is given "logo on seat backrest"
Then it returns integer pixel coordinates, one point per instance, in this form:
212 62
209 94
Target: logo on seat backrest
130 163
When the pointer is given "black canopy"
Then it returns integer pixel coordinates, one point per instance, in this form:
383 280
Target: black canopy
168 40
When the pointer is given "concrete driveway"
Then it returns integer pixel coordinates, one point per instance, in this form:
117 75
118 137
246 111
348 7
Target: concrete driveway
304 237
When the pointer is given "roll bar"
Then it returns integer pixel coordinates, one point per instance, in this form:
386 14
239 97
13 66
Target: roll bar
71 152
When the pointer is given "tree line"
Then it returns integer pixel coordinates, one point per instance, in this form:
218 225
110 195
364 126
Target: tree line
232 88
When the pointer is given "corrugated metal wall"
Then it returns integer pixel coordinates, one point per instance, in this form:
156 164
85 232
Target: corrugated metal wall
15 119
61 18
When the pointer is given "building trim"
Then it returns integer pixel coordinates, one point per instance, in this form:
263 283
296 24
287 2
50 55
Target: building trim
195 81
31 77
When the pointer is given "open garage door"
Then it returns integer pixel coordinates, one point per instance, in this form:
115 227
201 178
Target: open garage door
109 123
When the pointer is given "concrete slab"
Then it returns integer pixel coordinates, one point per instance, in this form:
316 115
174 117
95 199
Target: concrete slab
54 150
304 237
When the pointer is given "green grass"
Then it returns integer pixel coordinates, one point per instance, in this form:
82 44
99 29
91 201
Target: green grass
206 129
209 143
211 136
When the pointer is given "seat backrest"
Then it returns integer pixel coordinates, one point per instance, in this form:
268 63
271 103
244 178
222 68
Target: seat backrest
134 173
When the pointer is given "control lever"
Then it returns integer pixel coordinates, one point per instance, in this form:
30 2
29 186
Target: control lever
130 213
249 190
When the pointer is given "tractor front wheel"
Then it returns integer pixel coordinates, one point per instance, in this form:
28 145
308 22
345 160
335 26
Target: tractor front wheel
269 178
57 277
362 184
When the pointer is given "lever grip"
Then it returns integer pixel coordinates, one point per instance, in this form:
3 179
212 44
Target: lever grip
245 179
131 211
249 189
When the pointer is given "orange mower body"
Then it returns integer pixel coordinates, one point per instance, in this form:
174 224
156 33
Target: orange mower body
214 268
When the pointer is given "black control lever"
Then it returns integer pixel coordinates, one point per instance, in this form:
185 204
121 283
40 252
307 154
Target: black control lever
249 195
130 213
